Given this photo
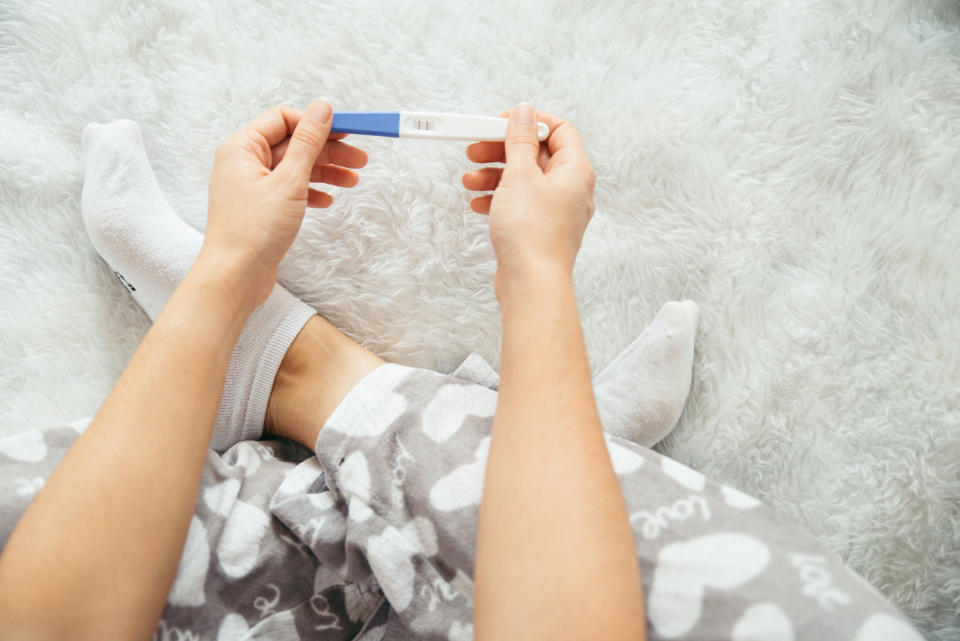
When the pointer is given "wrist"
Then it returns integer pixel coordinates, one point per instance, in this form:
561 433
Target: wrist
234 281
535 280
208 304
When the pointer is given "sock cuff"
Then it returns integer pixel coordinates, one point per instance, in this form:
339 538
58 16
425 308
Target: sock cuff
294 318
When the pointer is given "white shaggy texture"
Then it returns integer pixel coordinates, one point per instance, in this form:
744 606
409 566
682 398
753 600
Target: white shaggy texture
790 166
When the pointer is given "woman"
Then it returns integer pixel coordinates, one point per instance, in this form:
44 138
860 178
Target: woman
379 535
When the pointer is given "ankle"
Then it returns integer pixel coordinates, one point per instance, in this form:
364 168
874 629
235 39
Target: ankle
318 371
276 421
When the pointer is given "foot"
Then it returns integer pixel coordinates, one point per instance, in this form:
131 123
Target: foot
150 249
641 393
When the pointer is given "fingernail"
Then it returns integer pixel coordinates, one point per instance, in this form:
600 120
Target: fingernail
523 115
320 110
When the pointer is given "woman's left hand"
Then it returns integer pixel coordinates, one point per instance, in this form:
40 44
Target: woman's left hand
260 188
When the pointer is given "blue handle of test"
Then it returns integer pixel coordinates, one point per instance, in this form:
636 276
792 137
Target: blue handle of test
368 123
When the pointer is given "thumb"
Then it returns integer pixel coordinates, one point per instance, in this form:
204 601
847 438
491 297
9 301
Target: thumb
522 146
307 140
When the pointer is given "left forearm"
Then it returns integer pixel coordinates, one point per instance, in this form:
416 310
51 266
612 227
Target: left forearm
552 518
125 491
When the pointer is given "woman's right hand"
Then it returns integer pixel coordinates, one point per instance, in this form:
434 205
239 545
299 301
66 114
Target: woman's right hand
542 200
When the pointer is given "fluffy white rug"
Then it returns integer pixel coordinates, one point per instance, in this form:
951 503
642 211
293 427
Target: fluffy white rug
789 166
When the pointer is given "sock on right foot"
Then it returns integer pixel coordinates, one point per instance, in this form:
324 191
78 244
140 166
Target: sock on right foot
150 249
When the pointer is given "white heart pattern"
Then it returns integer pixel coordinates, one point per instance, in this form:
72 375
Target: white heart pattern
763 622
460 632
354 482
221 497
624 461
453 403
463 487
354 476
390 554
240 539
684 570
737 499
188 586
683 475
884 627
232 628
26 446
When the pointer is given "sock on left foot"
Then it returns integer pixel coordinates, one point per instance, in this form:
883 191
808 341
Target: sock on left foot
641 393
150 249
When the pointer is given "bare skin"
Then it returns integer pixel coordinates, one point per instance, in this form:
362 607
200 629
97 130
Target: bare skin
75 568
318 370
552 517
96 552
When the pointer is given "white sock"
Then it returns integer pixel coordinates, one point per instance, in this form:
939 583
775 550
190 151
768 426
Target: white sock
641 393
151 249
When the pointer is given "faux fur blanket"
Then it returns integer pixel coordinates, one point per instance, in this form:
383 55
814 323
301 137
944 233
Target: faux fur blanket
790 166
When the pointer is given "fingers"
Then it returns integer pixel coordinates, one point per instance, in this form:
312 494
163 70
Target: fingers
486 152
318 199
274 124
564 140
521 146
340 153
333 153
292 118
568 138
307 141
331 175
563 135
483 179
334 175
481 205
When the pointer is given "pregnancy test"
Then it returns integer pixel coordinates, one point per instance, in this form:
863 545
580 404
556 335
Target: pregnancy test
424 124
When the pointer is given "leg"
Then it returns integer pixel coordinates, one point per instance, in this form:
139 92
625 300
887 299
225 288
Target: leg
317 372
26 461
419 524
404 456
150 249
241 570
640 394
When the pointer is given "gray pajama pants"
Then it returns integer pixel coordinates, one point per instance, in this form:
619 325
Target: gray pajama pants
373 538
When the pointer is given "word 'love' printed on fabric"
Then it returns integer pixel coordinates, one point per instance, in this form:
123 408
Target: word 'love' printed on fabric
651 524
817 581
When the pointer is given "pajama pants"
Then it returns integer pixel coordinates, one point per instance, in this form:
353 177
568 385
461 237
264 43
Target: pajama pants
373 538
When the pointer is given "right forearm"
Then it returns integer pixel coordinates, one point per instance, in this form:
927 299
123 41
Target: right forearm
552 517
96 551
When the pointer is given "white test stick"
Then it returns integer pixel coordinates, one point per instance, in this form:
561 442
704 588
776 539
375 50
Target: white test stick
446 126
426 124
